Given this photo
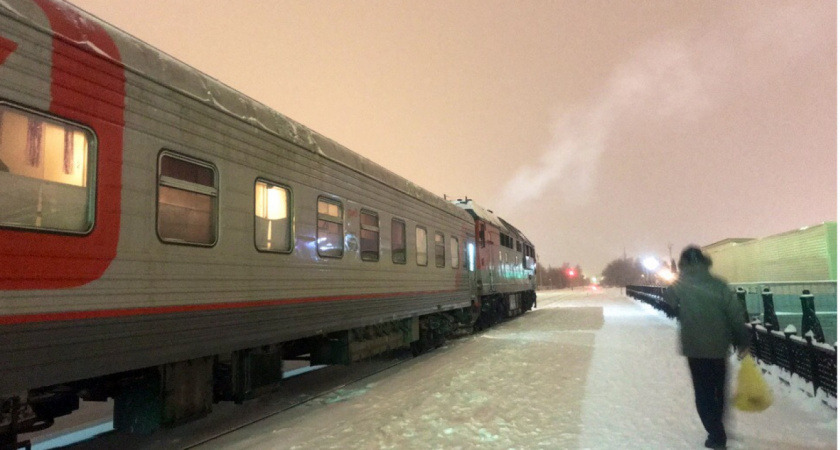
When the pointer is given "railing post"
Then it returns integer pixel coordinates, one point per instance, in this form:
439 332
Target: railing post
810 321
741 293
771 322
754 342
790 330
812 354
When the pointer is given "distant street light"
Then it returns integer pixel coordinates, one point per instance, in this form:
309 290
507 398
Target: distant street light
666 275
650 264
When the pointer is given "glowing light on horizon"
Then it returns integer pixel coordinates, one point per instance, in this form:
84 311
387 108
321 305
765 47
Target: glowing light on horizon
651 263
666 275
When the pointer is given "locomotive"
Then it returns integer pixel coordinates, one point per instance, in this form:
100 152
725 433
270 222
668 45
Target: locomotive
168 242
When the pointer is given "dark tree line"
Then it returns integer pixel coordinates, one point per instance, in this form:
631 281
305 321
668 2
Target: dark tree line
561 277
621 272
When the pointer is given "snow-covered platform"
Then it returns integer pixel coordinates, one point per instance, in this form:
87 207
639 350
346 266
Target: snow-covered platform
586 370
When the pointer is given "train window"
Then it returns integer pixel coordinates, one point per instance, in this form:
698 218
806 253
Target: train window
330 228
187 200
506 240
422 246
440 250
397 241
47 169
454 252
272 221
369 234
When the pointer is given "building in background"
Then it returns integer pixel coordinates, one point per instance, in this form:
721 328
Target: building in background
786 264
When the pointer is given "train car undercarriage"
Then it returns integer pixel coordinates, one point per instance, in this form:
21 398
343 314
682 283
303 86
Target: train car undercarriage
170 394
495 308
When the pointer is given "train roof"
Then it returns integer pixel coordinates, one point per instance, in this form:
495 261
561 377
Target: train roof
147 61
478 212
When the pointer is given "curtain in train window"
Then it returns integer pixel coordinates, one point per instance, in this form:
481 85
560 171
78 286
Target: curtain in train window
187 200
46 173
398 241
454 252
272 223
422 246
330 228
369 234
440 250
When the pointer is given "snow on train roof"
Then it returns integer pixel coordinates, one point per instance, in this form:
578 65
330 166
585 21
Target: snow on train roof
147 61
487 215
478 211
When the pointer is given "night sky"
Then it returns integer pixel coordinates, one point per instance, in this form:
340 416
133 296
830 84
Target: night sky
596 127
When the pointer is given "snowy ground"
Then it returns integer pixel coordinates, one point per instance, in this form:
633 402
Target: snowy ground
584 371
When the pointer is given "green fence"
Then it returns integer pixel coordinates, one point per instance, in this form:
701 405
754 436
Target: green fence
814 361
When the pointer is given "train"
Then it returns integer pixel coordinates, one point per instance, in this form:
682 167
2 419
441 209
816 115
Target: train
167 242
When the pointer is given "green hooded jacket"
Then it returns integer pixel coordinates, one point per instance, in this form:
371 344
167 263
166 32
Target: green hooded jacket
711 317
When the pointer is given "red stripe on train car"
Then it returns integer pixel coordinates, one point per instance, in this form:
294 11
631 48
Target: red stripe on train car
89 88
7 47
128 312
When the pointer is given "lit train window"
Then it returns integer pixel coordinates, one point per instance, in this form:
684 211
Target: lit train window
47 169
272 217
422 245
369 235
440 250
398 241
330 228
454 252
187 200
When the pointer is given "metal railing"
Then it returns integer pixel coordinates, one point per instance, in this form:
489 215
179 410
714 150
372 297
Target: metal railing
785 305
814 361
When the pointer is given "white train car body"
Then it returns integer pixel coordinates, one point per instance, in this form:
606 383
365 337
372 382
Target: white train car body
150 215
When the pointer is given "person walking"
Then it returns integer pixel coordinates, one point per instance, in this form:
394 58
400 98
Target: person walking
711 320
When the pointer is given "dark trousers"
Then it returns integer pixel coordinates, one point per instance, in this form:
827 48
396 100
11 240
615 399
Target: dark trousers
709 378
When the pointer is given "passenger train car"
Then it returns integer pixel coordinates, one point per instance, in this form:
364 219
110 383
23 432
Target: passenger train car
167 242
